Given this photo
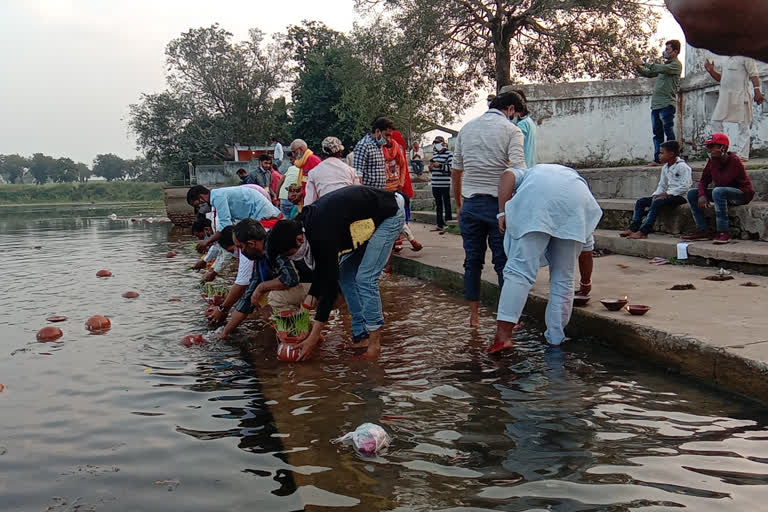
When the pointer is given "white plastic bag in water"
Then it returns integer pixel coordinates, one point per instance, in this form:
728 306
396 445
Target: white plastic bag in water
368 439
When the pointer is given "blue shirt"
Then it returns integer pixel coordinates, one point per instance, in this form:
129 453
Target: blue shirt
552 199
233 204
528 127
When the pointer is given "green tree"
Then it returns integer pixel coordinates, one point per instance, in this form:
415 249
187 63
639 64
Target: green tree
541 40
219 93
13 167
41 167
83 172
63 170
110 166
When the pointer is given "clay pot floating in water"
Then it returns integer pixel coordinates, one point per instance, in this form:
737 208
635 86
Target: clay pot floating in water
171 254
38 247
56 318
130 295
288 352
103 273
174 299
98 324
637 309
614 304
49 333
191 340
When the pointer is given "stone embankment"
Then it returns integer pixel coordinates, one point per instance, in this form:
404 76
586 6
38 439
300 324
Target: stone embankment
715 333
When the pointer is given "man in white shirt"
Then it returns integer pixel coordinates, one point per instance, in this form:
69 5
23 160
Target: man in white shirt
278 154
485 147
416 157
733 112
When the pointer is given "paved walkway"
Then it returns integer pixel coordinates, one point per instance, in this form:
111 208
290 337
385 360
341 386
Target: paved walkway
717 332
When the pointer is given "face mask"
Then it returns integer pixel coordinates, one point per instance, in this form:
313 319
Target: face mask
439 147
204 208
298 156
381 141
665 54
709 155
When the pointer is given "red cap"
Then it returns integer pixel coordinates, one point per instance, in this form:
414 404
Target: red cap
718 138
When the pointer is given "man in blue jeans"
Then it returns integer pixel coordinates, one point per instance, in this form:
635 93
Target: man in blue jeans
360 223
665 90
731 185
485 148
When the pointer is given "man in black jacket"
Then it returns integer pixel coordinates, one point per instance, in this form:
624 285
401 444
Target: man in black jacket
348 235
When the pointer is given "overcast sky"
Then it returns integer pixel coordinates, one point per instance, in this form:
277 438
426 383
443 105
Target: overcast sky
70 68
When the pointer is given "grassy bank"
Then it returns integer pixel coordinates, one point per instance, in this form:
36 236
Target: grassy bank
94 192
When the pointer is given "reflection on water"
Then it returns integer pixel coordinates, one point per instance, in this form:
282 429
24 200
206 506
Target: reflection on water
133 421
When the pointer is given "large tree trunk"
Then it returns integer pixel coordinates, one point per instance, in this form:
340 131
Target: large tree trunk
503 61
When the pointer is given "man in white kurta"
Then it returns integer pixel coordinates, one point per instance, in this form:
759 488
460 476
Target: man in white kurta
548 220
739 84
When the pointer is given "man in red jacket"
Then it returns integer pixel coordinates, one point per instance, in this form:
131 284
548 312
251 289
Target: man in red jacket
731 185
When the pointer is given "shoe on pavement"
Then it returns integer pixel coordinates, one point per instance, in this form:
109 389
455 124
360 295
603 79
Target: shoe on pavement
699 235
637 236
722 238
625 234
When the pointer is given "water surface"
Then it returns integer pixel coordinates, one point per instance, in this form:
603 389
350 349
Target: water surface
132 421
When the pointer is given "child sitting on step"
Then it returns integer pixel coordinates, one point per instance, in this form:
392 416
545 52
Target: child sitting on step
671 192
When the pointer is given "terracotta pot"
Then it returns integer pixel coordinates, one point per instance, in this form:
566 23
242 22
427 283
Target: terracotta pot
637 309
285 337
171 254
289 313
613 304
191 340
288 352
174 299
56 318
216 300
49 333
130 295
98 324
38 247
103 273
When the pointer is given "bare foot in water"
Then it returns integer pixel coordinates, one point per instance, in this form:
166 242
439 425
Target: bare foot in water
504 337
474 314
374 347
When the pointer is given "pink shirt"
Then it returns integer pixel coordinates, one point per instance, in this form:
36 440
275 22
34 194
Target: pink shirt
274 185
329 175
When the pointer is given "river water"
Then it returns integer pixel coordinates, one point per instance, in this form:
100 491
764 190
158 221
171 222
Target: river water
131 420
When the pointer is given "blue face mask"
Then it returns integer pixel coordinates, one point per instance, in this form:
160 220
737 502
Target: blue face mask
381 141
204 208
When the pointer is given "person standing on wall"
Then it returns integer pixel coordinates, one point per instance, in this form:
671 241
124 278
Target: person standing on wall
527 125
485 147
440 168
278 153
733 112
664 98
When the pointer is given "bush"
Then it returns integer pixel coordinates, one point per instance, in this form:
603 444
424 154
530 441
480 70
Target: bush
93 192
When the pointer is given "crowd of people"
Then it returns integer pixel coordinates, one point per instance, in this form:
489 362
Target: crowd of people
328 225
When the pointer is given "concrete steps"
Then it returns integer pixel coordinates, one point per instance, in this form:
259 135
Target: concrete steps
748 256
746 222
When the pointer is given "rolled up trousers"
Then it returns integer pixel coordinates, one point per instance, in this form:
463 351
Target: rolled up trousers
525 255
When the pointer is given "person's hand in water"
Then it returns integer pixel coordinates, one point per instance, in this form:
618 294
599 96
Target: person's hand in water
209 276
200 265
202 246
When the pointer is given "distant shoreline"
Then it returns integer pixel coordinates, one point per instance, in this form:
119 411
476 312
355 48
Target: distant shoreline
154 202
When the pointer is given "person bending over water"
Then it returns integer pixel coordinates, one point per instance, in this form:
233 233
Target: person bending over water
329 227
555 215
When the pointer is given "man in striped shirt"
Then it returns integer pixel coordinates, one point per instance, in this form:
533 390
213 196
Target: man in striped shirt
440 167
369 160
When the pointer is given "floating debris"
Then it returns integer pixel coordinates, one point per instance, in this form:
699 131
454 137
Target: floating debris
103 273
56 318
191 340
368 439
130 295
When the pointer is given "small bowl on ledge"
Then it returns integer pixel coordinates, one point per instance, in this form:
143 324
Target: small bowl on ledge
637 309
614 304
581 300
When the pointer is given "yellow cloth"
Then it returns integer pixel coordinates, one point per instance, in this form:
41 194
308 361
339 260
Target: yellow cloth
361 231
